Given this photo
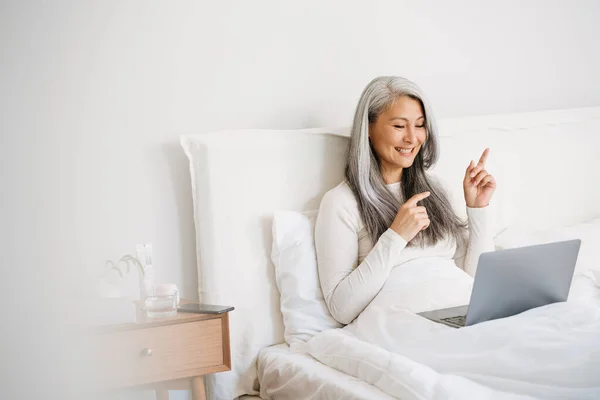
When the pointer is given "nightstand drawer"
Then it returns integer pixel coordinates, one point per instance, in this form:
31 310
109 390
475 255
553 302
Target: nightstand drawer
141 356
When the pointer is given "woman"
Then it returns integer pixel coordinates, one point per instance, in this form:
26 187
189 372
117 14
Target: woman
389 211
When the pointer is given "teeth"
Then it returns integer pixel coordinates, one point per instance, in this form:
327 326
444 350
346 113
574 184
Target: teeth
405 151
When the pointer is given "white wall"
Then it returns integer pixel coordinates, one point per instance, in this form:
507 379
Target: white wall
95 94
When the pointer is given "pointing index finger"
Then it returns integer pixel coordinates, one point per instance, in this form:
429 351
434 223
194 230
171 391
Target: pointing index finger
412 202
484 156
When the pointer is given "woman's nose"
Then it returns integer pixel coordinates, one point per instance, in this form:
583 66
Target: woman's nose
411 135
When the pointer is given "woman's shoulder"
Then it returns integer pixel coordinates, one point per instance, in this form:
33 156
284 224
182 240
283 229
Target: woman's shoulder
340 198
342 193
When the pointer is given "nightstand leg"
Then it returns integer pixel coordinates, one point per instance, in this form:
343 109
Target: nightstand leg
198 391
162 394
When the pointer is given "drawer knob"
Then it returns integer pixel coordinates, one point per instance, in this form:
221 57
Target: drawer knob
146 352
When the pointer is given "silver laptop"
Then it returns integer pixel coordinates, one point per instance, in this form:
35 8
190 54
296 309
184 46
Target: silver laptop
508 282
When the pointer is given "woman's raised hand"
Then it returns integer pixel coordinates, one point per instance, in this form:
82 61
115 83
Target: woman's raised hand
478 185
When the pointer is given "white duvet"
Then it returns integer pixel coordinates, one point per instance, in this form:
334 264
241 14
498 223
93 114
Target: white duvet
551 352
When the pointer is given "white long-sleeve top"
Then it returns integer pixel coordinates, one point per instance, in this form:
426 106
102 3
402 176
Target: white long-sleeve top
352 271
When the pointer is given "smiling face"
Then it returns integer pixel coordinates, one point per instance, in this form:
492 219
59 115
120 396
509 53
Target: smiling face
397 135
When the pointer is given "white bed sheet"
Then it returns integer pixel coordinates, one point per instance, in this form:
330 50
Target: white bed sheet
550 352
286 375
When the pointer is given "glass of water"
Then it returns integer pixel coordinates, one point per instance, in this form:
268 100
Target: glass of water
161 304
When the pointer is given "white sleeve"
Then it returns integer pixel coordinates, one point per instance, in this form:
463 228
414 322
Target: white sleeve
479 240
349 288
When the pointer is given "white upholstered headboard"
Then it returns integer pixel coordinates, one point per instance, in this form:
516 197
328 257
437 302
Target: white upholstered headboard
546 165
239 179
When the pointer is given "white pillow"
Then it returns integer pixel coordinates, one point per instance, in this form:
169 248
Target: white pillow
588 262
302 304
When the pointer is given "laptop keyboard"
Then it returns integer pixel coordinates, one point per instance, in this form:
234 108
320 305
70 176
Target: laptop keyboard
458 321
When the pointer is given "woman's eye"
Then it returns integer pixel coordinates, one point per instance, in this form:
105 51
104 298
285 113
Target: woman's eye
399 126
420 126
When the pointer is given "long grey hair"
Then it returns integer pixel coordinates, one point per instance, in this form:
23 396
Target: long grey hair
378 206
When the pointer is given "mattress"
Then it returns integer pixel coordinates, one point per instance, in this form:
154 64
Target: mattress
286 375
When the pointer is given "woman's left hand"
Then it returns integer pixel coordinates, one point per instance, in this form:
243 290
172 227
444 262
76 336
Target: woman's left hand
478 185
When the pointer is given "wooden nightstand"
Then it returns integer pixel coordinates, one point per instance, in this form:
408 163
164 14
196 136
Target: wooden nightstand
161 354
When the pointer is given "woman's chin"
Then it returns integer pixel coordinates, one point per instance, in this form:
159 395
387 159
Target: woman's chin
405 164
399 164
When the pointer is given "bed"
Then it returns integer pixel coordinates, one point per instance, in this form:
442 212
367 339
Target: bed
285 374
548 173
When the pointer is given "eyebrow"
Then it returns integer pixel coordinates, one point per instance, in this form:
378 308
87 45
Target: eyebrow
406 119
